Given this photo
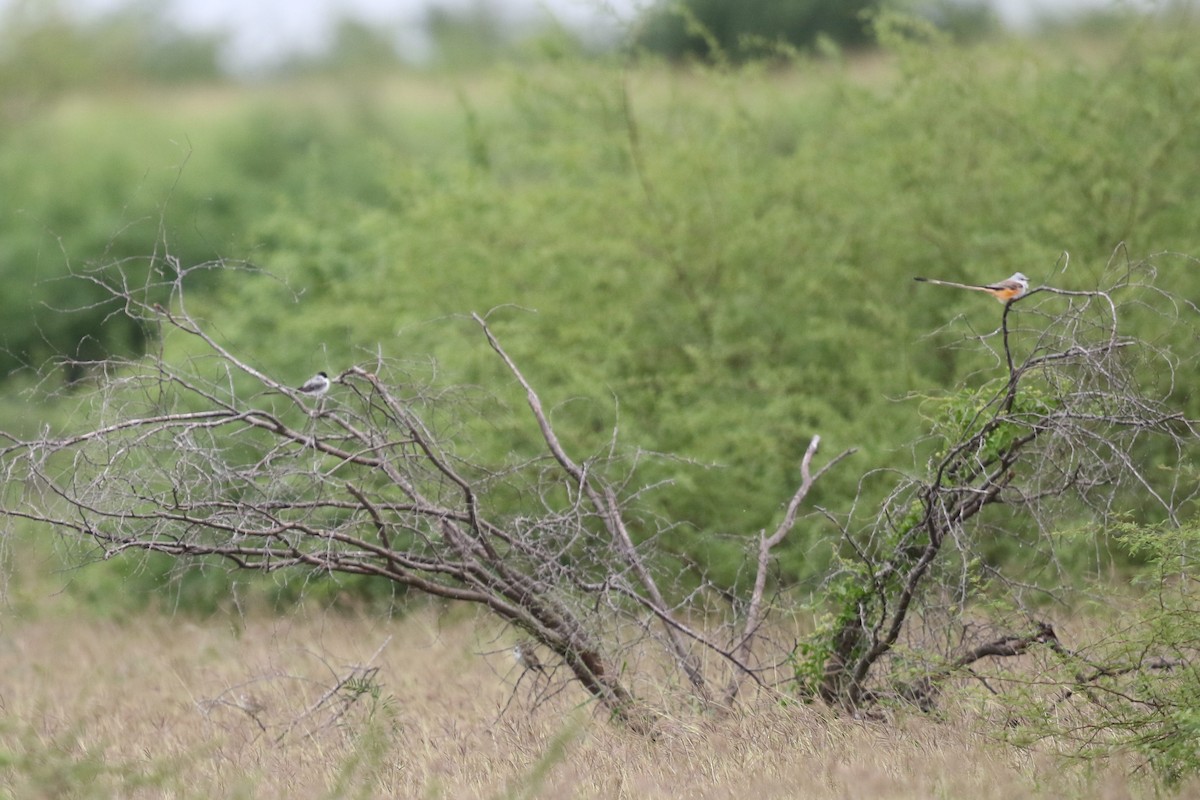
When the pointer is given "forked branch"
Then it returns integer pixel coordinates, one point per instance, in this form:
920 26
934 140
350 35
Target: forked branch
756 611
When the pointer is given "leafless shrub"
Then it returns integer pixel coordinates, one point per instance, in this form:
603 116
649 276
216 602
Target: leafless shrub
211 457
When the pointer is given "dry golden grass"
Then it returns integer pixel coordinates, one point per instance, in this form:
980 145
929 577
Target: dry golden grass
150 708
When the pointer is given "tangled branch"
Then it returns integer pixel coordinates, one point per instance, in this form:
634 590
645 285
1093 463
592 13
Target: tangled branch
1076 419
370 482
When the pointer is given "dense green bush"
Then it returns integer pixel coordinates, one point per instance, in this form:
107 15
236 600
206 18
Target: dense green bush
728 255
717 262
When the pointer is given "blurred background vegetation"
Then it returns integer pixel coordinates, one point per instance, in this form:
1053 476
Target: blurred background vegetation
706 225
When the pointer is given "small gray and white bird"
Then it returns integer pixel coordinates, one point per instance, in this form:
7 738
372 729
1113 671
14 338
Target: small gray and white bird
316 386
523 654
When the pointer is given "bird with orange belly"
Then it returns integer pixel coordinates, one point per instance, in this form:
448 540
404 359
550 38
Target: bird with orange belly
1005 291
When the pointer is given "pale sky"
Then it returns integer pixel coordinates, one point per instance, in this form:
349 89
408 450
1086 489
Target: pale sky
262 31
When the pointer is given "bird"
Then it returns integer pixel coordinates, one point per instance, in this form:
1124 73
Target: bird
1005 291
316 386
524 656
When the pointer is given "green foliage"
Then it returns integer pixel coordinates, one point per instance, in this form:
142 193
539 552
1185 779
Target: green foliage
716 29
964 20
45 51
807 661
960 416
718 263
109 183
466 38
845 598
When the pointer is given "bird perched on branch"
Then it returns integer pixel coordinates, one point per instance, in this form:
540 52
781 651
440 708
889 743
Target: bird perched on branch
1005 291
316 386
523 654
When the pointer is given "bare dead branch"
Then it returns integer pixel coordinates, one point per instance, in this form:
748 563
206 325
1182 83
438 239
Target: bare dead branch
605 502
755 613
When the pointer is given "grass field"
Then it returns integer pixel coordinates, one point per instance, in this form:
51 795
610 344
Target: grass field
160 706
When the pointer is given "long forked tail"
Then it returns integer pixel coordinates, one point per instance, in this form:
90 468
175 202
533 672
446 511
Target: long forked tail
955 285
